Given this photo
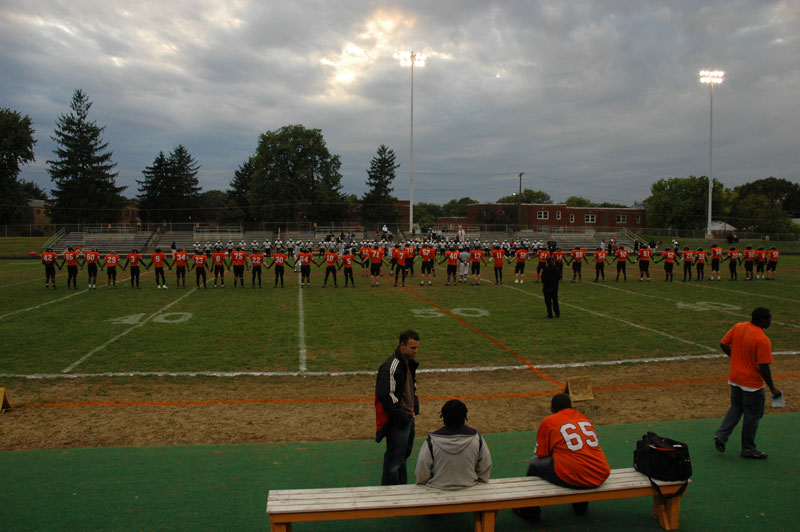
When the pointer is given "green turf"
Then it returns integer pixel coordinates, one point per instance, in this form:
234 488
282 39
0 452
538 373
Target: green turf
351 329
225 487
14 246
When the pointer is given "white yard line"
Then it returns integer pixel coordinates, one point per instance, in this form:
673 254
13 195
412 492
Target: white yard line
744 293
85 357
43 304
476 369
676 301
301 328
21 282
626 322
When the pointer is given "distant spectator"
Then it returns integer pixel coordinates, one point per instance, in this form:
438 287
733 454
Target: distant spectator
455 456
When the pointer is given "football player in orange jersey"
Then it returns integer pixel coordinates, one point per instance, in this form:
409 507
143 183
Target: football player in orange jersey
687 257
427 254
498 256
110 262
668 258
71 258
238 258
621 256
451 256
91 257
577 256
521 255
376 255
773 255
347 263
279 259
715 254
749 258
733 261
133 259
220 264
761 260
158 259
256 259
700 258
600 264
199 263
181 258
331 260
50 261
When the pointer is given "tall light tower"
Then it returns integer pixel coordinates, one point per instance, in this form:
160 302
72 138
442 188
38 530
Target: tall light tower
411 59
711 77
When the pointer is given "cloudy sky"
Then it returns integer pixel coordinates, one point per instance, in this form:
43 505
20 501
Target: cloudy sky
587 97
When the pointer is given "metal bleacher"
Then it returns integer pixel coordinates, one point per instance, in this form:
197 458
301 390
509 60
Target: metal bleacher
105 241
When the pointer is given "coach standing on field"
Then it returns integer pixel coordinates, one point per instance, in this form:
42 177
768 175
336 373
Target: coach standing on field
396 404
750 351
551 276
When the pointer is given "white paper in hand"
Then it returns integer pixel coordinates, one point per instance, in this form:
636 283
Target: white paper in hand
778 401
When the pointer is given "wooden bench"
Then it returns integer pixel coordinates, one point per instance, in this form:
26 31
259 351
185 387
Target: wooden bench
483 500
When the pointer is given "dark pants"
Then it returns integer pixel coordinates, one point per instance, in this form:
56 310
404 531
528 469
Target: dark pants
399 443
749 404
551 301
545 468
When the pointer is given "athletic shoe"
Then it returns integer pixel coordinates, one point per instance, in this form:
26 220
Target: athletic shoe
719 444
754 454
579 508
532 514
516 281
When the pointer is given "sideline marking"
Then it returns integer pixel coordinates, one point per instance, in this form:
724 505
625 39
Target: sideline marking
301 327
474 369
676 301
306 400
745 293
490 338
626 322
85 357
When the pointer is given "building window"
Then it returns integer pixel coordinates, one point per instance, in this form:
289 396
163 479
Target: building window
543 215
38 211
572 218
589 218
622 218
638 220
558 215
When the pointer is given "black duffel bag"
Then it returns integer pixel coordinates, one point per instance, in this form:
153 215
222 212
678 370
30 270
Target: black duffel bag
663 459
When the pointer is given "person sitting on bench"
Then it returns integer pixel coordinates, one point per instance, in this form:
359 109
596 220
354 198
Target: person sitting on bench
567 454
455 456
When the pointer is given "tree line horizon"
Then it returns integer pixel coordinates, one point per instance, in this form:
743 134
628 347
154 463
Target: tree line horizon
293 177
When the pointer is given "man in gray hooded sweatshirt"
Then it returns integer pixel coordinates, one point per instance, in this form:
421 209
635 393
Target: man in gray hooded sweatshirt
455 456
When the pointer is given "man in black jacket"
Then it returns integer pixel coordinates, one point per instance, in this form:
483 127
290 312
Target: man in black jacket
550 278
396 404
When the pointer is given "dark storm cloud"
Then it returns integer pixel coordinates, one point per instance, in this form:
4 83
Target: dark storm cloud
589 98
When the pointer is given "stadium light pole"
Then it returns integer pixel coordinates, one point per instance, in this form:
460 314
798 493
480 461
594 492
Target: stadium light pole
519 200
710 77
411 59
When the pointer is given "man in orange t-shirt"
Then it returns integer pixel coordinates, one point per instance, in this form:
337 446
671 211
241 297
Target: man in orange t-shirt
567 453
750 351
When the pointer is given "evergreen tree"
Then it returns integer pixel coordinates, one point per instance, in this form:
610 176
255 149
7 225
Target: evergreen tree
240 185
85 184
16 148
378 203
170 190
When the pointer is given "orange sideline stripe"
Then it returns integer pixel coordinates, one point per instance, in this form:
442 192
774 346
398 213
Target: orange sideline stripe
491 339
371 399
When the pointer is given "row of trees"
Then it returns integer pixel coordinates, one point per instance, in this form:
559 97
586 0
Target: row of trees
293 177
765 205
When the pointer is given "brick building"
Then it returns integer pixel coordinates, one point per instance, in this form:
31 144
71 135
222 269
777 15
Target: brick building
557 217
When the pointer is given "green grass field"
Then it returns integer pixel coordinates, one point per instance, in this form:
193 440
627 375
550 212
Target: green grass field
351 329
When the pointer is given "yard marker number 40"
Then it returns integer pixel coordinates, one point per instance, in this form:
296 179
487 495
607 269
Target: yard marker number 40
167 317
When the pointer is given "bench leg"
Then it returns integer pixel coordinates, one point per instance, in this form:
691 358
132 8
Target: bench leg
281 527
484 521
667 511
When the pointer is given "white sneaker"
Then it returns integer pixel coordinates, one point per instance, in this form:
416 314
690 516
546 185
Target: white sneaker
521 281
158 287
516 281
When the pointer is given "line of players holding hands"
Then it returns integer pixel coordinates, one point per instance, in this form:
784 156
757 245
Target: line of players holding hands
462 261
